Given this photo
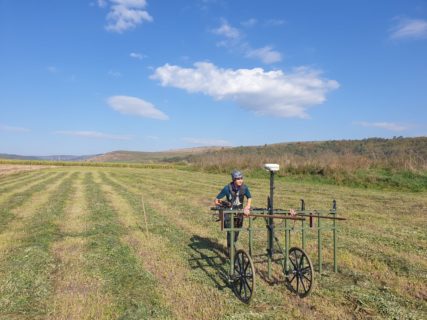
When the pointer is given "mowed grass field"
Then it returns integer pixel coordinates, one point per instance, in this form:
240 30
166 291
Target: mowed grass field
74 245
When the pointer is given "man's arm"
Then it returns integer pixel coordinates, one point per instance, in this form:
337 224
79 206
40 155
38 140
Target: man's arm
220 195
247 209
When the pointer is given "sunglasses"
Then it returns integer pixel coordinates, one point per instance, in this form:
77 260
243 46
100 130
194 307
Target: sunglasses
239 179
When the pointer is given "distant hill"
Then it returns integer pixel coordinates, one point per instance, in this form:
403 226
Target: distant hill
399 152
161 156
48 158
410 153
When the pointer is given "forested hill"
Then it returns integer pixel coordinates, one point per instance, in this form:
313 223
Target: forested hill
399 163
409 152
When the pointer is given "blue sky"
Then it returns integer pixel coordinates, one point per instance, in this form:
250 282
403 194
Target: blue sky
87 76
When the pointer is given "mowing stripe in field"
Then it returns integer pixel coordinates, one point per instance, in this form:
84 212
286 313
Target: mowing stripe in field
20 196
133 289
174 275
25 285
17 176
15 230
77 294
26 177
22 185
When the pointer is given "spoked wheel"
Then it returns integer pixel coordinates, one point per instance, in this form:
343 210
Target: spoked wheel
300 276
244 276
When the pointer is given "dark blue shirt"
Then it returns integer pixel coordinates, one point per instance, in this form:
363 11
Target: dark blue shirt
225 192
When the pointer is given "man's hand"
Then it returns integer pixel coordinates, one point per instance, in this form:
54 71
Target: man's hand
292 212
247 210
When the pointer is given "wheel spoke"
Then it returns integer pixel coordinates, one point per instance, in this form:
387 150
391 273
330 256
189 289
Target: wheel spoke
246 266
240 286
301 261
292 279
292 262
303 286
308 279
247 284
306 270
244 287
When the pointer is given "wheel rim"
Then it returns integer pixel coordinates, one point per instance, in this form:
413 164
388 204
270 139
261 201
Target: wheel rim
300 276
244 276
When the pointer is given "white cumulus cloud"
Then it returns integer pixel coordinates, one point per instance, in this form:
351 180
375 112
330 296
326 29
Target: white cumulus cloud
263 92
266 54
136 55
125 14
227 31
383 125
409 29
93 134
135 106
233 40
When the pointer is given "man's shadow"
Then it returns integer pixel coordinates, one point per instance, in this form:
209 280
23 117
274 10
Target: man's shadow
210 257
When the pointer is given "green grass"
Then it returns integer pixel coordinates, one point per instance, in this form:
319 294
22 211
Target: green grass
174 270
112 260
17 199
25 272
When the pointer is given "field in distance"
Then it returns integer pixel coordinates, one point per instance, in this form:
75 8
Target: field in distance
74 245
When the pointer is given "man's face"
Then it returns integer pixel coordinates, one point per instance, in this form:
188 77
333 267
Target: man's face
238 182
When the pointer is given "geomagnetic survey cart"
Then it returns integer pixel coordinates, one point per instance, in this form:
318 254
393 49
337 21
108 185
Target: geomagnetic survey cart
294 262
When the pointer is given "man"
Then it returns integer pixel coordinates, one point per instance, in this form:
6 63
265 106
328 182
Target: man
235 192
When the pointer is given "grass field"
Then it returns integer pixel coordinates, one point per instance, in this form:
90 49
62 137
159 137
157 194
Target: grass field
73 245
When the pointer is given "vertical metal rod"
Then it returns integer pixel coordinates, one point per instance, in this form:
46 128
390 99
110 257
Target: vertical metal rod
303 234
303 226
334 233
250 236
319 243
287 241
231 215
271 225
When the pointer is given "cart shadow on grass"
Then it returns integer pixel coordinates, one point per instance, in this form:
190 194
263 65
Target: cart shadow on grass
210 257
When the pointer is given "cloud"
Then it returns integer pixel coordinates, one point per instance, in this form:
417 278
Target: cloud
207 142
94 134
234 41
125 14
114 74
6 128
136 55
102 3
266 54
409 29
249 23
383 125
262 92
135 106
227 31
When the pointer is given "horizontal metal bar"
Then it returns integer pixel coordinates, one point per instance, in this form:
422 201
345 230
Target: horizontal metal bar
320 216
264 212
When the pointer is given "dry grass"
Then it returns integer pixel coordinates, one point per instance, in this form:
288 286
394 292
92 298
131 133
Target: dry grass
76 295
8 169
16 228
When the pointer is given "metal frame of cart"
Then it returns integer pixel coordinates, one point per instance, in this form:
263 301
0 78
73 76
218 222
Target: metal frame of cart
296 264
